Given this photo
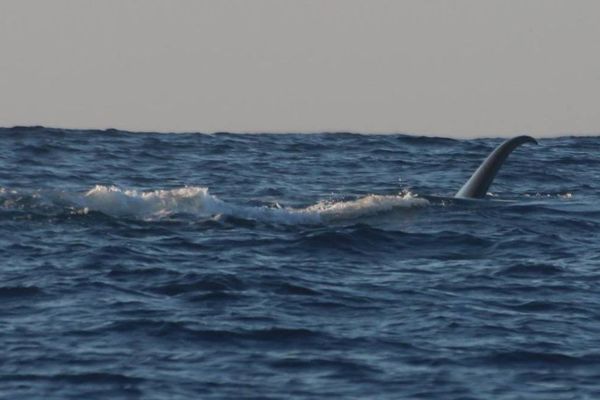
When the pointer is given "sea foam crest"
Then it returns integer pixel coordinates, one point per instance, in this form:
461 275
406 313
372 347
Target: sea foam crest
197 200
115 201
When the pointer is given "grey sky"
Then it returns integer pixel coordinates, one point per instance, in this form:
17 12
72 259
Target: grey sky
451 68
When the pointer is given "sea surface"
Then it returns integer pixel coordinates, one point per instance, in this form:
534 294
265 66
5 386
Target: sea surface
295 266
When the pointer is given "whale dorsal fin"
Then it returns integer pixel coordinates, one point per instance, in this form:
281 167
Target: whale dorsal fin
479 183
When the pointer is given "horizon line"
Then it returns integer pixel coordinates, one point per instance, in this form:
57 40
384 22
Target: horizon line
312 132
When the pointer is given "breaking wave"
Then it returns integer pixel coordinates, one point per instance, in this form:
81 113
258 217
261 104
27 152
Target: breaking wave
157 204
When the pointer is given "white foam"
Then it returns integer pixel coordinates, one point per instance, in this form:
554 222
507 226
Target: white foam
365 206
157 204
115 201
563 196
197 200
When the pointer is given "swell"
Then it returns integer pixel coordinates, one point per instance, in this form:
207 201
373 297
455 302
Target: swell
308 270
186 331
19 292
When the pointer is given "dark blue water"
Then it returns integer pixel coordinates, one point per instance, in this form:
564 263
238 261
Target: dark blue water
179 266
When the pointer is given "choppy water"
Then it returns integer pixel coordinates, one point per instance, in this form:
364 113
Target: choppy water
155 266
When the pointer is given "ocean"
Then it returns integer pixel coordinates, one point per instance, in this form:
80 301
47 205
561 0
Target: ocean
295 266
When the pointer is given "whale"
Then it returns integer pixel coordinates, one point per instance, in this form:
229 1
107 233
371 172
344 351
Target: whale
478 184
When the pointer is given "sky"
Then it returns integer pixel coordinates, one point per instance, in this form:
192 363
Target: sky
460 68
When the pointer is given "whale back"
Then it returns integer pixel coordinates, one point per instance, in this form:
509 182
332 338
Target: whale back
478 184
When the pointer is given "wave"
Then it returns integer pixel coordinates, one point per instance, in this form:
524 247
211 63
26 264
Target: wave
159 204
7 292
